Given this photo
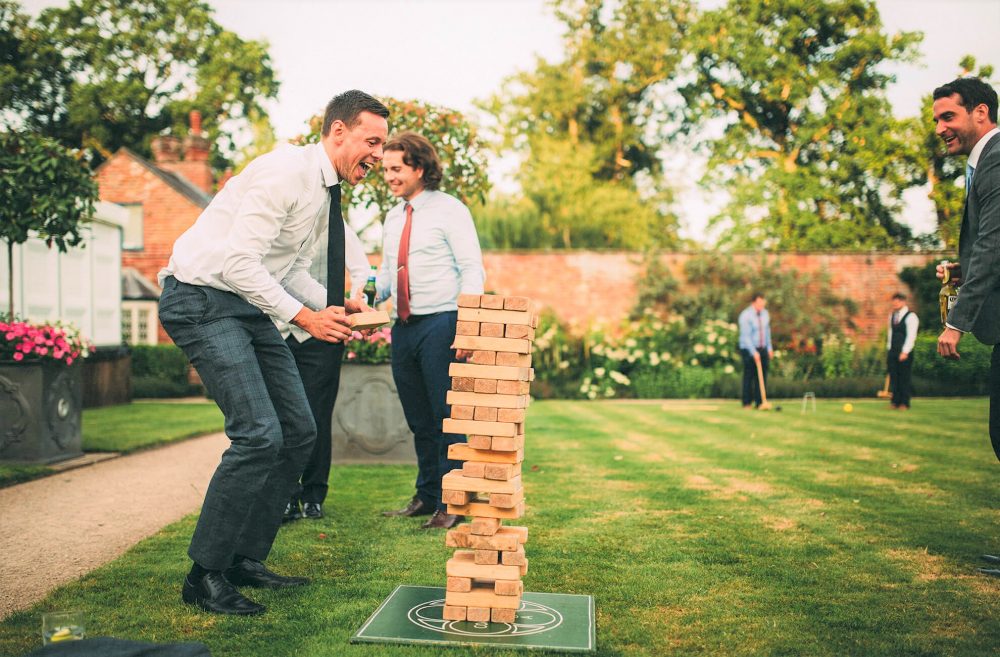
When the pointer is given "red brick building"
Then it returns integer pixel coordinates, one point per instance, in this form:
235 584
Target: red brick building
163 198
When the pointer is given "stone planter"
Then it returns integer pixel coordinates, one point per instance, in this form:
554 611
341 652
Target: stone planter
368 422
40 410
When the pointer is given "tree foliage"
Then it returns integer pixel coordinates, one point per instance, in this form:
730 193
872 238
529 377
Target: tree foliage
810 153
462 154
102 74
45 191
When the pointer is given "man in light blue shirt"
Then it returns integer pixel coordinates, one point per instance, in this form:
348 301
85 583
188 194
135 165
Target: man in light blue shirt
430 255
755 346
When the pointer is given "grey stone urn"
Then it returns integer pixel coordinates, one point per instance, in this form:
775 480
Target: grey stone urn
40 412
368 423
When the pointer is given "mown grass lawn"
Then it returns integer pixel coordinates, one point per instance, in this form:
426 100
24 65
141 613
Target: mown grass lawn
699 528
128 427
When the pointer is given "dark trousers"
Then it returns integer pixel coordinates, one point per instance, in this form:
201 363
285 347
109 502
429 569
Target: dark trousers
995 400
421 354
249 371
751 385
899 378
318 363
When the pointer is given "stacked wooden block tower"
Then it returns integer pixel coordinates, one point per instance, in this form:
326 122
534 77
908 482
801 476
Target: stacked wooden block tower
488 398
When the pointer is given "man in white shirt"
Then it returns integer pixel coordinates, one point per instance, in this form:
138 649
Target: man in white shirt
243 262
430 255
965 114
755 347
903 325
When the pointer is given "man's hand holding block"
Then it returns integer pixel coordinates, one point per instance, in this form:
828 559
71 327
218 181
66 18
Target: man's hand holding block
369 319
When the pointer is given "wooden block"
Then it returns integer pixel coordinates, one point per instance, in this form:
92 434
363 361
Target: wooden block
486 414
463 564
467 412
491 301
485 386
467 328
510 359
464 452
457 497
473 469
511 387
494 400
490 372
486 557
503 615
469 301
481 428
491 330
478 615
455 481
458 537
482 596
512 557
519 332
453 613
484 358
484 510
476 441
534 320
503 414
507 587
368 320
495 316
493 344
507 443
461 584
462 383
485 526
501 471
517 303
506 539
506 500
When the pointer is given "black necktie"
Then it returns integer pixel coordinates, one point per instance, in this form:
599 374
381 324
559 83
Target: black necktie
335 252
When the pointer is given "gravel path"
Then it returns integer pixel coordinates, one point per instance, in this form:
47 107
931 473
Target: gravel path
56 529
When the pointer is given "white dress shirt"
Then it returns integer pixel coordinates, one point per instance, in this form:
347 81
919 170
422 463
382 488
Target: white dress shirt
257 236
912 323
444 260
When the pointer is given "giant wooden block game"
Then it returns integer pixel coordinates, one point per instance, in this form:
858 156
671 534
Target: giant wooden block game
488 398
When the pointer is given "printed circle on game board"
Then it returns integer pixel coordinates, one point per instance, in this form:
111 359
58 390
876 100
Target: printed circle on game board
532 618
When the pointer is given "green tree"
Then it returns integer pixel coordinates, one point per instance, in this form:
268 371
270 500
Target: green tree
945 174
462 154
102 74
45 191
810 154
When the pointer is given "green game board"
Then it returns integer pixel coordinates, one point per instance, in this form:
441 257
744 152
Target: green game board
553 621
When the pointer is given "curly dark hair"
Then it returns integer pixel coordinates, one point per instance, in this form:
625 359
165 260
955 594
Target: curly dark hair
348 106
972 93
419 154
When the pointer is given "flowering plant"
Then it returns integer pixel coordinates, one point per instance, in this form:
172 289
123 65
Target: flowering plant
21 341
373 350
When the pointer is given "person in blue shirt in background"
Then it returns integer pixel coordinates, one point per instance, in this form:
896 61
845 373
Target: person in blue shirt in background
430 255
755 346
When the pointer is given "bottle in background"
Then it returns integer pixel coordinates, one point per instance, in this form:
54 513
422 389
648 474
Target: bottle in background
369 289
948 294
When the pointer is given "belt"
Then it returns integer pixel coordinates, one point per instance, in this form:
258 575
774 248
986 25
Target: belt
416 319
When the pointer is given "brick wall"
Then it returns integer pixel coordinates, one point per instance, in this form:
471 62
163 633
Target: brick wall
166 212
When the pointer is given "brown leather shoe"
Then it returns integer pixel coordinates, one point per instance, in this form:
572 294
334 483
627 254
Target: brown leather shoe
442 520
416 507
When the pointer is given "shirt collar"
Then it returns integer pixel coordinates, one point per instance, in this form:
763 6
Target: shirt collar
330 177
902 311
977 150
420 200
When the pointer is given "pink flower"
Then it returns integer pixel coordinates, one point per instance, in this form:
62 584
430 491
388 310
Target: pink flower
69 361
18 355
351 355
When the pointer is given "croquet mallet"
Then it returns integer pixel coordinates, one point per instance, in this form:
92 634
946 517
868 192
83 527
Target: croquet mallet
764 404
884 392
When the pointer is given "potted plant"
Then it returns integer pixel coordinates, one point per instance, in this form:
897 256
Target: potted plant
368 421
40 391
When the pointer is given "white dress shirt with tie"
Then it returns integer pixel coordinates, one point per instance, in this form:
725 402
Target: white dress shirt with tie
444 260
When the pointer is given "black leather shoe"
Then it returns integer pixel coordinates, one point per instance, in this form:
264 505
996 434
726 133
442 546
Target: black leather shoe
416 507
250 572
312 510
213 592
442 520
292 512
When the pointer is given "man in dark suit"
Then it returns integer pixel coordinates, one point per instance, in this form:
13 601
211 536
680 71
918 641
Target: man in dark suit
965 111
